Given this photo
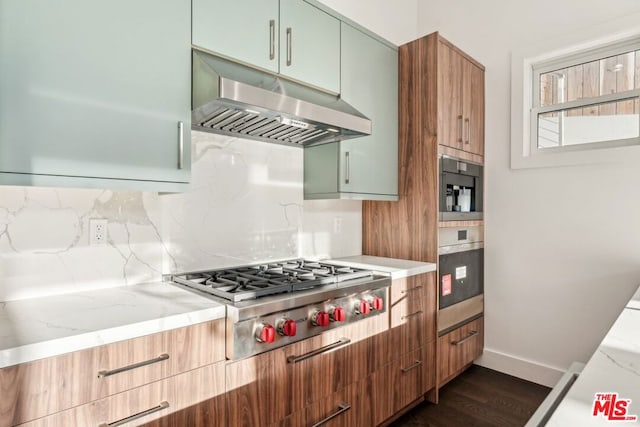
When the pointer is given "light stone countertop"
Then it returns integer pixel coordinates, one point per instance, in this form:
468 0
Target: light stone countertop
634 302
613 368
37 328
396 268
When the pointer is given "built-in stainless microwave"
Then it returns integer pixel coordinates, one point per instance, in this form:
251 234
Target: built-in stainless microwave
460 190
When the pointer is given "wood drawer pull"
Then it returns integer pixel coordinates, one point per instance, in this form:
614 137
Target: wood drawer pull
417 313
414 366
415 288
340 343
160 407
102 374
343 407
468 337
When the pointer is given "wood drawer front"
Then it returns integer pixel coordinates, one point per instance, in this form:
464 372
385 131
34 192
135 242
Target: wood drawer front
348 407
398 384
260 388
459 348
415 287
408 321
179 392
46 386
407 288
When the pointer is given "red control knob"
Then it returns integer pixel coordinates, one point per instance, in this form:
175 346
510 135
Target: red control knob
320 318
363 307
377 303
338 314
266 334
287 328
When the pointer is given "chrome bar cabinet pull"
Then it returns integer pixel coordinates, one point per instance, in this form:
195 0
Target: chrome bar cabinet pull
272 39
288 46
160 407
467 122
103 374
343 407
408 316
339 343
180 145
415 288
347 163
468 337
414 366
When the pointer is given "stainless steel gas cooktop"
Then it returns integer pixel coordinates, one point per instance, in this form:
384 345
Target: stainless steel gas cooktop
275 304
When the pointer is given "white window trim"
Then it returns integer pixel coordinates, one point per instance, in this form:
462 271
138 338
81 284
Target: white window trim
545 56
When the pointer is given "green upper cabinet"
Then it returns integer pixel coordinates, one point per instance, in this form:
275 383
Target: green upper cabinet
290 37
246 30
361 168
95 90
310 45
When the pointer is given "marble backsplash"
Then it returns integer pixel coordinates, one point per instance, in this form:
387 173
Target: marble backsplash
245 205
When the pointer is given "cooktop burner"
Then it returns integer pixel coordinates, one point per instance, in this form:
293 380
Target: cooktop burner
251 282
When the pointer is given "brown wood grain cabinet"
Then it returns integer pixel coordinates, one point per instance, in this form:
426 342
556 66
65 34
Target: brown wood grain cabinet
50 385
460 99
399 384
459 348
441 112
271 389
158 399
413 312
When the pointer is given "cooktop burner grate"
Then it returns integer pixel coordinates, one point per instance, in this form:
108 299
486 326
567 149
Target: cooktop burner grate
251 282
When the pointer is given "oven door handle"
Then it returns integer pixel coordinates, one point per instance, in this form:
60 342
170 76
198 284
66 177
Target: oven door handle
339 343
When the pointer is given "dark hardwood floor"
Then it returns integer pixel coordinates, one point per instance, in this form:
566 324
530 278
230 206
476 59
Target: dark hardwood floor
479 397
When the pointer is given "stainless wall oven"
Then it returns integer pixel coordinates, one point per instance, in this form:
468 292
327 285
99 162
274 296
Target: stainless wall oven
461 276
461 190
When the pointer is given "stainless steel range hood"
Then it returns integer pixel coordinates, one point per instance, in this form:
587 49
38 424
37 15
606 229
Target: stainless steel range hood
232 99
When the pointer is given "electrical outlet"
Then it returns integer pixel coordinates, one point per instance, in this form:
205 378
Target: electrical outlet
337 225
97 231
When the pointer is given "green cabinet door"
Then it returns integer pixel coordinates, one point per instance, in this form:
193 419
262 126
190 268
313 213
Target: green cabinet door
309 45
95 89
246 30
369 165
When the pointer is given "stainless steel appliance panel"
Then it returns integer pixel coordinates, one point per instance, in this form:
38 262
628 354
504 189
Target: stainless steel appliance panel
461 276
461 190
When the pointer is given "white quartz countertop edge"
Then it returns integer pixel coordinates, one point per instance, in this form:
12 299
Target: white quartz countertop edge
55 347
396 268
44 327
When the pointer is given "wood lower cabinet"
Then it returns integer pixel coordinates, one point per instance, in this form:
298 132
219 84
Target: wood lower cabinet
400 383
260 389
149 402
459 348
46 386
351 407
272 388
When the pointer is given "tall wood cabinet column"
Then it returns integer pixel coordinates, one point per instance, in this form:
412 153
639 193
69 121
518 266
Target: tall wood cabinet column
441 110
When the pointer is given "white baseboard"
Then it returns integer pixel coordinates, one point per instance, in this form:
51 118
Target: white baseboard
521 368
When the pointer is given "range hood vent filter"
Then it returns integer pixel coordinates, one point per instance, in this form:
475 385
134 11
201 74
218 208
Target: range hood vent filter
253 125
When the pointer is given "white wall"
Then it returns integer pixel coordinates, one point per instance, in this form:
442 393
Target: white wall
562 244
396 20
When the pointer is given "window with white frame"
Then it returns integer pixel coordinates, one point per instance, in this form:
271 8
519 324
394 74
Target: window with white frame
585 100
